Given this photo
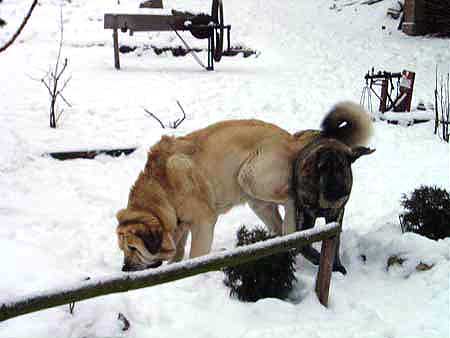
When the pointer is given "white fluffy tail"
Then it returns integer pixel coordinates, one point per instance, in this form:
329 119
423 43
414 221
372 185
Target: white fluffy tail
349 123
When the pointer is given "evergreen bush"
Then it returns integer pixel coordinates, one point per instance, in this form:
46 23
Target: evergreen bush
271 276
427 212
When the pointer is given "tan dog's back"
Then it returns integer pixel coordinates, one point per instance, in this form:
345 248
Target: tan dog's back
224 147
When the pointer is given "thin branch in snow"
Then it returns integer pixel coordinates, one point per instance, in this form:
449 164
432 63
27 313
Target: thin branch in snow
175 124
155 117
125 322
53 77
21 27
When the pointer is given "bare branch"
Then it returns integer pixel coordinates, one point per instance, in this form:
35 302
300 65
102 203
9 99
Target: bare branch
21 27
125 321
173 125
59 115
65 100
64 85
47 85
61 30
156 118
58 75
179 121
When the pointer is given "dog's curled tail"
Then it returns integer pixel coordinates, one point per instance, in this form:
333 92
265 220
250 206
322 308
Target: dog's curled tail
349 123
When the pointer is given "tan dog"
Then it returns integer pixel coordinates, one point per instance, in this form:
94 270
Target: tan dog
189 181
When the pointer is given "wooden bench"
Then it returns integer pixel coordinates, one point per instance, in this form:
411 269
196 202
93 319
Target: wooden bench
202 26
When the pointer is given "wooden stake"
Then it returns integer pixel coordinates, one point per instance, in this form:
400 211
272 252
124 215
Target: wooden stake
323 281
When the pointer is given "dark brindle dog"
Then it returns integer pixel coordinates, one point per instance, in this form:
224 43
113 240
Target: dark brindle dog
322 175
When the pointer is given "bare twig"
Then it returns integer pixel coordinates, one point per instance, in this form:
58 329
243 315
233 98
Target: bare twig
442 106
370 2
155 117
126 323
21 27
71 307
436 109
175 124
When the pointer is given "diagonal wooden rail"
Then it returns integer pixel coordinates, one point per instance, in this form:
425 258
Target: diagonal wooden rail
123 282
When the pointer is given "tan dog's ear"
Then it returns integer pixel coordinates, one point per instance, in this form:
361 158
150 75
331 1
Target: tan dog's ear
357 152
152 240
121 215
128 215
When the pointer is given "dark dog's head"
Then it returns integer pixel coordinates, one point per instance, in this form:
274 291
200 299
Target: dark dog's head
324 175
144 241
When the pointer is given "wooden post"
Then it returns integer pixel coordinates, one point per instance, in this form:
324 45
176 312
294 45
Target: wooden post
406 92
323 280
384 95
116 48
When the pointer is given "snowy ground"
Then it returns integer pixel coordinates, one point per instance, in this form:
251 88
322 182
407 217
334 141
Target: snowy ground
58 218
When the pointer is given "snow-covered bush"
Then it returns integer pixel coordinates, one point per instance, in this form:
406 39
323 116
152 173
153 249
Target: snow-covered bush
271 276
427 212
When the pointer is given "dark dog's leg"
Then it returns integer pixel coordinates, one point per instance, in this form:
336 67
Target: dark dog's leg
311 254
337 217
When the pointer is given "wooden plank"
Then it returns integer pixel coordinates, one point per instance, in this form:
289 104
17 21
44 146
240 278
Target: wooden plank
89 154
144 22
123 282
151 4
323 280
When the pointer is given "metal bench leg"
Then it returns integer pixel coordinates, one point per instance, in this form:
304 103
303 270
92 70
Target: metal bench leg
323 280
211 47
116 49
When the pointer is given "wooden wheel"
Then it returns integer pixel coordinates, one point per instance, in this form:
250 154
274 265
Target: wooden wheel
217 16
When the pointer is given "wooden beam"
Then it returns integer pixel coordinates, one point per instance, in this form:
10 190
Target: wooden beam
89 154
136 280
144 22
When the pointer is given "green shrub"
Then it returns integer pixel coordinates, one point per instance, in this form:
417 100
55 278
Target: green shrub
427 212
271 276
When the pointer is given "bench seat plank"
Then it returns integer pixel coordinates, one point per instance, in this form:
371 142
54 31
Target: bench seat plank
144 22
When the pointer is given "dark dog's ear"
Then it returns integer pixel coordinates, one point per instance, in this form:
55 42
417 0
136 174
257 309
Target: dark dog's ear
357 152
152 240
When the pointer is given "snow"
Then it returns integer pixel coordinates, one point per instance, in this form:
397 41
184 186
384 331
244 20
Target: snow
58 218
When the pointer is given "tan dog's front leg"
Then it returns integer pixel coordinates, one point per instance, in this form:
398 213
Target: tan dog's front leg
180 237
268 213
202 238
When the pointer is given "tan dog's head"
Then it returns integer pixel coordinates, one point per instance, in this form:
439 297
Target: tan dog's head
143 240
